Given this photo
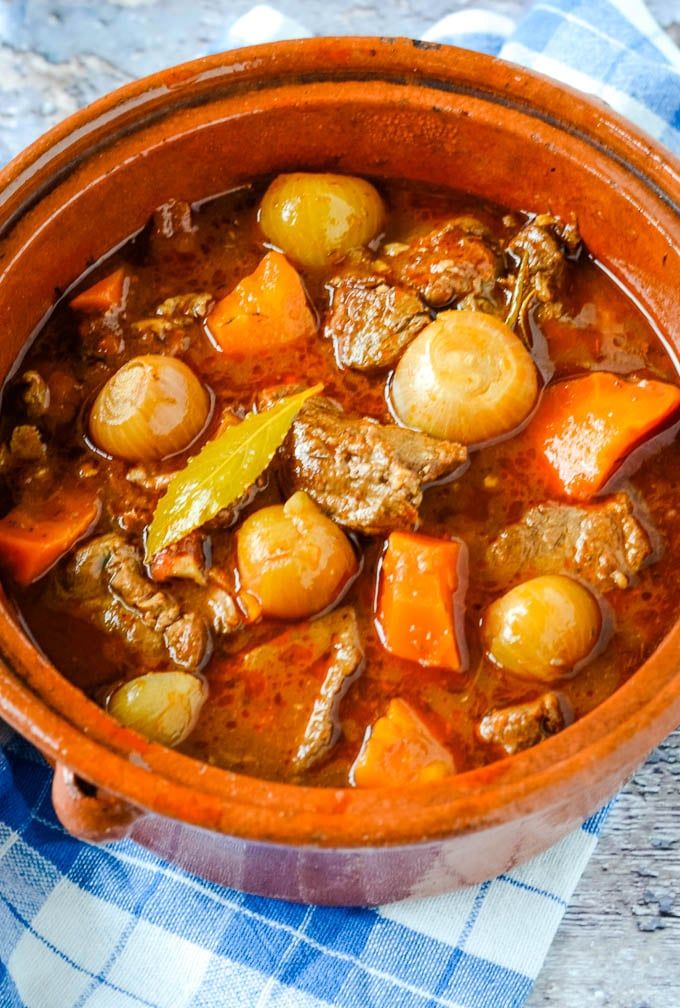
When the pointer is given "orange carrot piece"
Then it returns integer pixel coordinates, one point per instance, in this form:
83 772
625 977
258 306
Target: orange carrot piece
34 537
266 311
105 294
422 581
400 749
585 427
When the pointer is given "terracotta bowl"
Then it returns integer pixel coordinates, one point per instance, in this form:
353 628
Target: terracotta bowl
390 108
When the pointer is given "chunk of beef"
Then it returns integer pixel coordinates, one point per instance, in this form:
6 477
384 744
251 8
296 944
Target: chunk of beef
524 725
186 307
543 241
147 479
274 710
223 613
339 637
187 640
365 475
182 559
372 323
107 571
174 314
604 543
451 262
227 608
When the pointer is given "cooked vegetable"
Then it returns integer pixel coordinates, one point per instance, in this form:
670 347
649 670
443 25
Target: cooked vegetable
162 706
293 558
150 408
585 427
107 293
316 218
544 628
421 587
400 749
465 377
266 311
34 536
221 472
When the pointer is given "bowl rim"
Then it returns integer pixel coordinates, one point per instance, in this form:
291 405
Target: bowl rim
71 729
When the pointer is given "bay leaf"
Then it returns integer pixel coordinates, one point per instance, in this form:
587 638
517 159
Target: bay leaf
221 472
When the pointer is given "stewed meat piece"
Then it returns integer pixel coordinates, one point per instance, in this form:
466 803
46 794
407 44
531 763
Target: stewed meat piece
371 323
451 262
183 559
106 577
544 241
524 725
367 476
605 543
276 706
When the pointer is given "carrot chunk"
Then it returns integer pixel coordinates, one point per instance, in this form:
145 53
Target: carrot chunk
421 586
33 537
585 427
105 294
266 311
400 749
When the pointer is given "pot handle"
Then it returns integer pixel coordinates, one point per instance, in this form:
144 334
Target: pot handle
88 812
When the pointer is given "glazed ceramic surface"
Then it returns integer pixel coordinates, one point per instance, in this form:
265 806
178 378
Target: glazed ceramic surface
381 108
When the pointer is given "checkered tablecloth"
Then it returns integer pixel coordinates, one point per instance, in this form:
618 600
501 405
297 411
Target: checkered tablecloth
116 927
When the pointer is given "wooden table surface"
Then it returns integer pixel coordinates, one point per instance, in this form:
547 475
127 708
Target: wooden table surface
619 943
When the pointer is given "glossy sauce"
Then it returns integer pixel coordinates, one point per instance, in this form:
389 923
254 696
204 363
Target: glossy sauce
600 329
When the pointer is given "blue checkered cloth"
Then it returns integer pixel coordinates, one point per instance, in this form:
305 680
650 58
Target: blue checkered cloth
116 927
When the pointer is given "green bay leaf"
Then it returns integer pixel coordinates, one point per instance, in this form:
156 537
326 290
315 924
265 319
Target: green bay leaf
223 470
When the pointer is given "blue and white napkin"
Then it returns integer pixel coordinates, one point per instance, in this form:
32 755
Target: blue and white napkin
117 927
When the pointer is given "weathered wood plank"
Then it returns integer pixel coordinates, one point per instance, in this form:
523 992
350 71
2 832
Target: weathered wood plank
619 942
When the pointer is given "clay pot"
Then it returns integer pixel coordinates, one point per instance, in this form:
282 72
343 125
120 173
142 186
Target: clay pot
374 107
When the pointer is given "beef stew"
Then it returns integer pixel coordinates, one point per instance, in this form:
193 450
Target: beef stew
459 532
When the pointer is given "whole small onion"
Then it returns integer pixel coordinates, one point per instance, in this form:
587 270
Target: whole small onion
543 628
293 558
317 218
152 407
466 377
162 706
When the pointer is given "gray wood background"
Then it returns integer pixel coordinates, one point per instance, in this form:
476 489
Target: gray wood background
619 943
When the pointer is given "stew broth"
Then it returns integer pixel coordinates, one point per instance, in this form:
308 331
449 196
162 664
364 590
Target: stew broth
598 328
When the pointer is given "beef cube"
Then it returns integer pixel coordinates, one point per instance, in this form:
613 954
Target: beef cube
106 576
174 315
543 240
186 307
372 323
187 640
524 725
367 476
604 543
147 478
182 559
452 262
342 633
